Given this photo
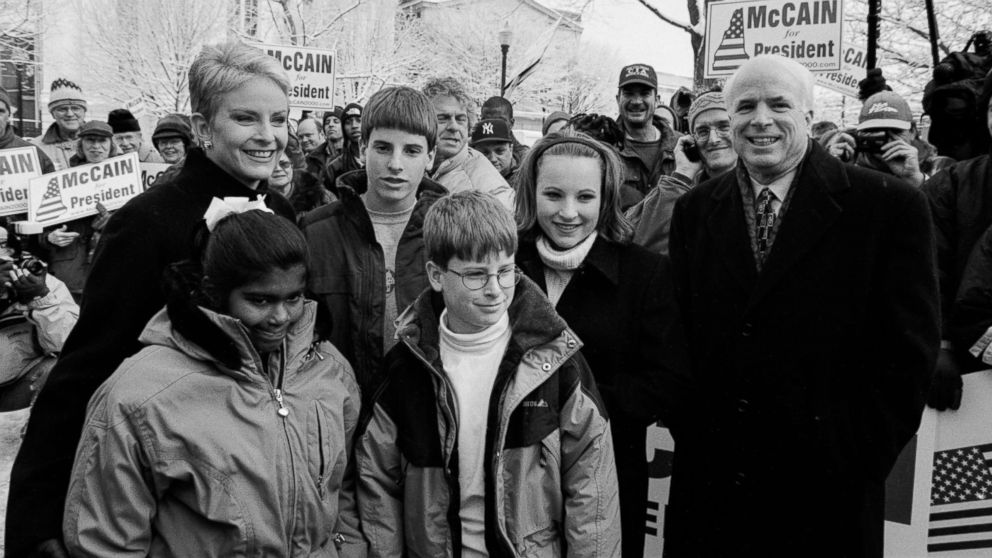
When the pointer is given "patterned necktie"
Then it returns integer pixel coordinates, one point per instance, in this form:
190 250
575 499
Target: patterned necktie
764 222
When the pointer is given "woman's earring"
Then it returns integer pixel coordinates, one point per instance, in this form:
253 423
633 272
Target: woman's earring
207 144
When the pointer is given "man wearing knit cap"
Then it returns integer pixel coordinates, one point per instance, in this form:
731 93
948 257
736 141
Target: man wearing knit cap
649 140
172 138
350 157
352 122
330 148
709 124
127 135
9 140
68 108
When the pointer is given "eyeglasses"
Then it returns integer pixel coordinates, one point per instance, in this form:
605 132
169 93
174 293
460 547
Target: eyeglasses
66 109
475 280
703 133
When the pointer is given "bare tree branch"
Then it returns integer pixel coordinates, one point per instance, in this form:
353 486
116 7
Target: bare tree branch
669 20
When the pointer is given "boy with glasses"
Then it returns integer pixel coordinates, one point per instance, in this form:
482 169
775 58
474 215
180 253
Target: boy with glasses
704 154
68 108
488 437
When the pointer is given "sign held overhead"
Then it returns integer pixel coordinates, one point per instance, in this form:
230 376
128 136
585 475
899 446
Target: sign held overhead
807 31
311 75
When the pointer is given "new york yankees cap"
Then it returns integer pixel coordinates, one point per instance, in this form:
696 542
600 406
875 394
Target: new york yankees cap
491 131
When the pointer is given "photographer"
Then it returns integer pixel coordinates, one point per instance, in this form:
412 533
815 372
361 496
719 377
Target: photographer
36 315
883 139
706 153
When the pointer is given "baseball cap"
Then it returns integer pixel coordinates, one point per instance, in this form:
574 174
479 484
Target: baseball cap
97 129
885 109
491 131
638 73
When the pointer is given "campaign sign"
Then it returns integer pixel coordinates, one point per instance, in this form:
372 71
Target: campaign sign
807 31
17 167
960 514
311 75
853 68
150 173
73 193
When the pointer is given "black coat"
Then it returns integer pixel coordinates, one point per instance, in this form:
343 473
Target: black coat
621 304
811 376
122 293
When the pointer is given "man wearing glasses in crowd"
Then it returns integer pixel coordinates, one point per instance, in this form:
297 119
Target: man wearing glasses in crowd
704 154
68 108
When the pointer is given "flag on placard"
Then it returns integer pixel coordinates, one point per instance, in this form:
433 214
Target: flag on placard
731 54
530 59
51 203
961 500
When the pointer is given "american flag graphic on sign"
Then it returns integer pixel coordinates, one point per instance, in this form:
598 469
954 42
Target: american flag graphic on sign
730 54
961 500
51 203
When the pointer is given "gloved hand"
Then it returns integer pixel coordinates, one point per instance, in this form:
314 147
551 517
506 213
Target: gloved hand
27 286
945 390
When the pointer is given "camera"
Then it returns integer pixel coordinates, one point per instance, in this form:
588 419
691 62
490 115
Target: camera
691 150
30 264
872 141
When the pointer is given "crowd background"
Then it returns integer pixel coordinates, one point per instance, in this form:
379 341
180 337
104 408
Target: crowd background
324 172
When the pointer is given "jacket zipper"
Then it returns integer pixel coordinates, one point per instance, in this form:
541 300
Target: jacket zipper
320 444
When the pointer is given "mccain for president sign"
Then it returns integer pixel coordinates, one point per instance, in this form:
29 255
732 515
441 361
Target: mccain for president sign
808 32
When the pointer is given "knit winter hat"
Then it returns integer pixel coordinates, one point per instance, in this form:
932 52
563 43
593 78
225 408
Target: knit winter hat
65 92
707 101
552 118
351 109
121 120
172 126
5 98
96 128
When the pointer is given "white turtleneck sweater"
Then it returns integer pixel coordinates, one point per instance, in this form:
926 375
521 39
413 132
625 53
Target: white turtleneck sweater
560 265
471 362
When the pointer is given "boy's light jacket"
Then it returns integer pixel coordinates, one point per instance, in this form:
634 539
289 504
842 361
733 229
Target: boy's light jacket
551 487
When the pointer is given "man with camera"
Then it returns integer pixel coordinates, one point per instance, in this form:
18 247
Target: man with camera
706 153
882 140
37 313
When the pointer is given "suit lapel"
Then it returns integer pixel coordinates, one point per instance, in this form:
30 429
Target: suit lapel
810 214
728 228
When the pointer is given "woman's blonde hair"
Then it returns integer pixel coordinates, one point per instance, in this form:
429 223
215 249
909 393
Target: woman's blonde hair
612 224
222 68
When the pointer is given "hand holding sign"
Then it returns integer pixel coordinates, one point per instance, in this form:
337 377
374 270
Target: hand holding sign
61 237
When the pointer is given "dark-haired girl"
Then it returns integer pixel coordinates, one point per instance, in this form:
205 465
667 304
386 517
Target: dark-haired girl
229 433
617 296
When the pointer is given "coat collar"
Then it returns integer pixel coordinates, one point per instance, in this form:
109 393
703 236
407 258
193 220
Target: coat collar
603 257
811 212
447 165
54 135
203 178
203 334
351 185
541 335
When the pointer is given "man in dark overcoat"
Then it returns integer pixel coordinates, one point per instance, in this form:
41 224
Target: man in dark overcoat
809 293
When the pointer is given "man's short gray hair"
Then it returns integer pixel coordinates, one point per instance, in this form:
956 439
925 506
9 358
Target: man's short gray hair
450 87
222 68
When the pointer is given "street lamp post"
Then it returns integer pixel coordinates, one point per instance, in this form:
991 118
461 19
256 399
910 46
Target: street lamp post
505 35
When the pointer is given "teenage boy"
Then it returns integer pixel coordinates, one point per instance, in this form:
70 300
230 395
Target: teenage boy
367 248
488 436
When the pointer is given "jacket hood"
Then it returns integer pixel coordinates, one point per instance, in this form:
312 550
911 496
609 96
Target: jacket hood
533 321
203 334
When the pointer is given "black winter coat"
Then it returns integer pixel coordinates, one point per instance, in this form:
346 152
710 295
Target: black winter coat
621 304
348 274
122 293
811 375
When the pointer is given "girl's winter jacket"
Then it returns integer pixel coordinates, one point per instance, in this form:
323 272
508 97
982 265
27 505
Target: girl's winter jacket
190 449
551 487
